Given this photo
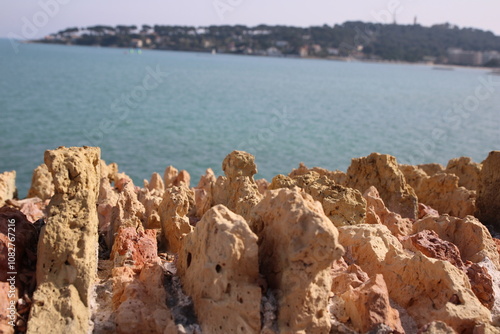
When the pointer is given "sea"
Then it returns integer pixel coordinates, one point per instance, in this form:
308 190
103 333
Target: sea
148 109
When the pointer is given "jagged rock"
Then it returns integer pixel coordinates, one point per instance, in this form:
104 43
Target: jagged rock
368 306
107 200
441 192
67 261
32 207
183 179
488 194
139 301
169 176
128 211
429 243
7 186
432 168
203 193
343 206
365 301
156 185
121 180
426 211
467 171
237 190
218 266
174 208
297 246
429 289
7 310
151 202
337 176
41 183
108 171
482 284
377 213
382 172
134 248
468 234
413 175
436 327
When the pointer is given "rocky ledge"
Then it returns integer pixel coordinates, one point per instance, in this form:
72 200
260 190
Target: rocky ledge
382 248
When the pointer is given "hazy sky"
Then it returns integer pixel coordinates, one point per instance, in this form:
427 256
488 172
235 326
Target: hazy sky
31 19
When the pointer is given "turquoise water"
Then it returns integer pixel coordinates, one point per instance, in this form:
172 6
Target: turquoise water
284 111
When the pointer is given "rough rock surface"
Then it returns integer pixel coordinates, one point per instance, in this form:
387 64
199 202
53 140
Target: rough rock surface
413 175
382 172
377 213
107 200
7 186
432 168
436 327
172 177
41 183
156 185
203 193
364 301
139 301
174 209
467 171
426 211
237 190
218 266
128 211
342 205
368 306
441 192
297 246
429 289
337 176
488 194
482 284
468 234
134 248
67 251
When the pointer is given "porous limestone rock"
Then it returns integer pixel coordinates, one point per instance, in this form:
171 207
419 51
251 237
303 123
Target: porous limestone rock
488 194
368 306
67 250
108 171
128 211
41 183
151 201
377 213
156 184
237 190
429 289
382 172
426 211
482 284
7 186
203 193
337 176
467 171
436 327
432 168
342 205
107 200
441 192
134 248
139 301
262 185
470 236
219 269
176 205
413 175
183 179
121 180
33 208
172 177
364 301
297 246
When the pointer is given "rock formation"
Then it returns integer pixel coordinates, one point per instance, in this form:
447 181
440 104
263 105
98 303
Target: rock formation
297 246
467 171
41 183
342 205
432 168
7 186
377 213
174 209
468 234
218 266
134 248
172 177
429 289
67 251
156 185
336 176
203 193
237 190
382 172
488 194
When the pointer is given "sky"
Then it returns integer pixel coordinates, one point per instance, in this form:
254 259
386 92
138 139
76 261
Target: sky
28 19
